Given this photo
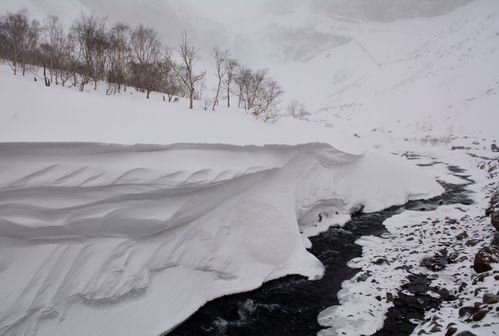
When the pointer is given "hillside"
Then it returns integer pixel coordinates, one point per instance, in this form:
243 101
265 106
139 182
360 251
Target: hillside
396 66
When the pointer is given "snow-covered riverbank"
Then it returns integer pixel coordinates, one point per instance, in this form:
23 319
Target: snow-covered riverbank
439 244
412 272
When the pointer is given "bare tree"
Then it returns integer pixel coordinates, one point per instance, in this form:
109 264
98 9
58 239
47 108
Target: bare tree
259 94
20 37
145 45
69 60
243 80
221 57
170 83
266 106
52 45
3 39
231 66
90 33
145 59
249 83
189 57
297 110
46 56
118 57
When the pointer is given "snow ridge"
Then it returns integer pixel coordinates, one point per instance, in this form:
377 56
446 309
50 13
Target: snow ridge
156 231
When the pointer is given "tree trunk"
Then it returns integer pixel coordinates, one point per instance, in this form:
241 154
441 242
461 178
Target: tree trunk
84 82
46 80
23 65
191 99
240 98
215 101
51 70
228 95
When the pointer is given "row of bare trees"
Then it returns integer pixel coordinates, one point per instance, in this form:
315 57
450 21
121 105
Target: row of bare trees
18 40
91 51
257 92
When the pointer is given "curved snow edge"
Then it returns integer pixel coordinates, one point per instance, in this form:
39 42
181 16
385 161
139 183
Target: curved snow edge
154 232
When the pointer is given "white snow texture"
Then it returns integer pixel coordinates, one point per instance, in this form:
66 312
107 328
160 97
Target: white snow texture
153 232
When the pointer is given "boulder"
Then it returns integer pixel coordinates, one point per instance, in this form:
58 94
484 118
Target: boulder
494 219
380 261
490 298
495 240
478 316
485 257
466 333
466 311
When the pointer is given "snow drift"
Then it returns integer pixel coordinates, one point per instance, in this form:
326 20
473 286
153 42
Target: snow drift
130 239
92 235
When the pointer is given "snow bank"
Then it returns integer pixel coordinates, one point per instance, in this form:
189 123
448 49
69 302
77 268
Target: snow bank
93 234
154 232
60 114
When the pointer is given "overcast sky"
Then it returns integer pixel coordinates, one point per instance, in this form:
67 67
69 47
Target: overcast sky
225 11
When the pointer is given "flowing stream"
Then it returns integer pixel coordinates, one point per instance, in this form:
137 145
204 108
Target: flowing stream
290 305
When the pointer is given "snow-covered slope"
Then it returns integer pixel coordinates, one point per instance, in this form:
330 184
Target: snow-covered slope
62 114
415 66
440 81
433 75
93 234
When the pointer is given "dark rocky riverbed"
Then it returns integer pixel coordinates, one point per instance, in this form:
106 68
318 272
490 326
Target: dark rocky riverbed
290 305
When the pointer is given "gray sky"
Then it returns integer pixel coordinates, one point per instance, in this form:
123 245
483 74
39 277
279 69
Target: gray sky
225 11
